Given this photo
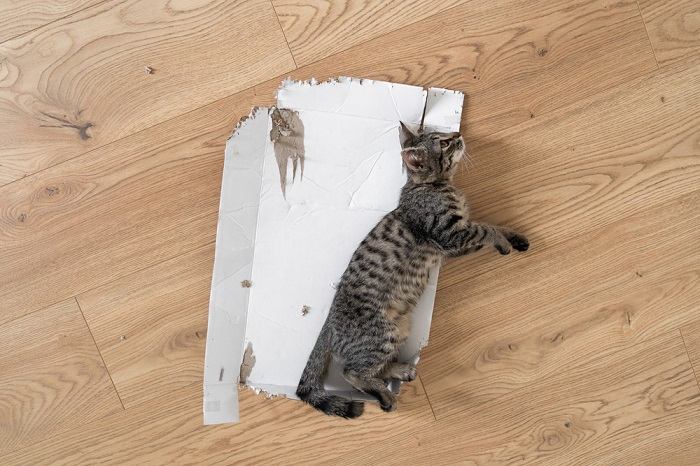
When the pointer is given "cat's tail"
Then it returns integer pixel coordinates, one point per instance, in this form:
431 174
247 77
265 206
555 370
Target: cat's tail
311 389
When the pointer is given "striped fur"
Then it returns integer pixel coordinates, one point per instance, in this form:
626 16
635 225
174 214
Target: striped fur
370 316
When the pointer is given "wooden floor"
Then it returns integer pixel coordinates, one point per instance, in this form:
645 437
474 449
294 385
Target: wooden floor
583 120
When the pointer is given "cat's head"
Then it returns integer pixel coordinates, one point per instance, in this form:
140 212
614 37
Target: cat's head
430 156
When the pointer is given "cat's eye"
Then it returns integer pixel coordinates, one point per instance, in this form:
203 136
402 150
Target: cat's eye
444 143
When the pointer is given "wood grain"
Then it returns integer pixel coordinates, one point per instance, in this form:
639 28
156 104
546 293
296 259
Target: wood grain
17 17
151 325
575 137
575 172
51 377
116 210
277 431
596 411
590 296
512 67
79 83
316 30
674 28
672 445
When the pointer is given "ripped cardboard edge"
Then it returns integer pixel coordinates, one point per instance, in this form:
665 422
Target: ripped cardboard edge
241 121
360 97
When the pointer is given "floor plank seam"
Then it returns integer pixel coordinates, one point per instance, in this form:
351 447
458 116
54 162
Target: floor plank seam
646 29
289 47
100 353
692 367
77 293
427 398
52 21
154 264
420 20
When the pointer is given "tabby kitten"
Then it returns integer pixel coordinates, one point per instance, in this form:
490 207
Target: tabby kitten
369 318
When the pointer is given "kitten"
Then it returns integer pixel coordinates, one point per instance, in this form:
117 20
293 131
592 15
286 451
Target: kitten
369 318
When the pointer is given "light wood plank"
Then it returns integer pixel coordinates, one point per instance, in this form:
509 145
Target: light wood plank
585 166
115 210
20 16
671 445
51 377
513 67
151 325
79 83
674 28
610 405
584 298
278 431
316 30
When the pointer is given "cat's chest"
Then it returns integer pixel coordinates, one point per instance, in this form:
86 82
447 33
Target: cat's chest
462 206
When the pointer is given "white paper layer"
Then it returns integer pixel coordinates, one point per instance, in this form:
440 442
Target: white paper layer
294 249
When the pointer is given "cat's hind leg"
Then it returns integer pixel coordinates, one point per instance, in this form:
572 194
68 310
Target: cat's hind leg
367 381
400 370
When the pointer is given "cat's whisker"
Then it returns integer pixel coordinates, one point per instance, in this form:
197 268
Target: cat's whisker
466 162
468 158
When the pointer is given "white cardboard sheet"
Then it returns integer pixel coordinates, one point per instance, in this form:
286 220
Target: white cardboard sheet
294 248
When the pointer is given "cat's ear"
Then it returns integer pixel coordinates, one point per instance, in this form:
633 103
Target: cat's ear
406 135
414 159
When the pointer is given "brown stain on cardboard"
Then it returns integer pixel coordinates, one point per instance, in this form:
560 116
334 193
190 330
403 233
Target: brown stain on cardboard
247 364
287 134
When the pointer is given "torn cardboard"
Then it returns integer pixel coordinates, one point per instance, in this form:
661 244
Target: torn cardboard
287 136
293 236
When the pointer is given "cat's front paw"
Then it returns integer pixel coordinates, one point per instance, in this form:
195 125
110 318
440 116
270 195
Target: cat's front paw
518 241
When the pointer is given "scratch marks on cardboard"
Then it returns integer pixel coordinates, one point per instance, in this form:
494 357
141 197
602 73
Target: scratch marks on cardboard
247 364
287 134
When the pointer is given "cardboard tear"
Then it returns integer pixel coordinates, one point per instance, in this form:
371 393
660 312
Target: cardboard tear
287 134
247 364
242 120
